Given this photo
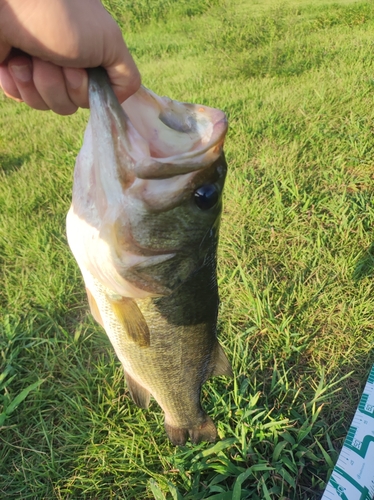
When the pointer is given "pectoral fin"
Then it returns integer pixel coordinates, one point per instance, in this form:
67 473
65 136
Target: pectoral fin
94 309
221 364
131 317
139 395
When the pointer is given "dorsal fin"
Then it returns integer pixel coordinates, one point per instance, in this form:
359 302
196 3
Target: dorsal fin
131 317
139 395
221 364
94 309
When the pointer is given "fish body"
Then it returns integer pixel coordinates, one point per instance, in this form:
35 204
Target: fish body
143 227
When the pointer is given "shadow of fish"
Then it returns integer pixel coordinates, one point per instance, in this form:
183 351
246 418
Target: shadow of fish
143 227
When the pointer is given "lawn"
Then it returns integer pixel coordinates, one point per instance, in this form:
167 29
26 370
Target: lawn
296 265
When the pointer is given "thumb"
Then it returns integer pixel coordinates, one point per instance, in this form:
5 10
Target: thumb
122 71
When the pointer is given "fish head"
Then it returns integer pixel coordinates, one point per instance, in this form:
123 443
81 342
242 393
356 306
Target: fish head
147 194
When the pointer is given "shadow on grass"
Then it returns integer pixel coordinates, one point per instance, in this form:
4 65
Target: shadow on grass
10 163
286 59
365 266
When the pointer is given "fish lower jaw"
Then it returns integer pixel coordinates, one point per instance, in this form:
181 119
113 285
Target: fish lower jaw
205 431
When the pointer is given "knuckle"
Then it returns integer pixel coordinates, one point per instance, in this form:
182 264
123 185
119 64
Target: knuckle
79 99
135 83
64 109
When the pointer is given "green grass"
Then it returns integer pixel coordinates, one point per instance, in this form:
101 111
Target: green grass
296 265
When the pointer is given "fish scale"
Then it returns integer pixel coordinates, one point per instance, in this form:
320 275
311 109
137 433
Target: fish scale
167 367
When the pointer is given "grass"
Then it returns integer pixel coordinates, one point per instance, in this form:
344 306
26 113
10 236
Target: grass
296 265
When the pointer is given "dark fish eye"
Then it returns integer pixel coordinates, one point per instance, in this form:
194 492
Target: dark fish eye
206 196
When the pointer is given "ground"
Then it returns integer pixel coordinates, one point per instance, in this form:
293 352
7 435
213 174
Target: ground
296 265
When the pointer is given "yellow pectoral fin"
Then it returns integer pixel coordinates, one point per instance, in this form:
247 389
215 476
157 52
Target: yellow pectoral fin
94 309
131 317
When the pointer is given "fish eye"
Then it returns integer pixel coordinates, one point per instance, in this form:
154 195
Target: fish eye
206 196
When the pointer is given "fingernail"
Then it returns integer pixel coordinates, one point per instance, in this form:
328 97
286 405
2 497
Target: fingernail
21 73
74 77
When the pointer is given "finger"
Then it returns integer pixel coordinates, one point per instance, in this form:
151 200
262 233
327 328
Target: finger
50 83
125 78
8 85
121 68
77 86
21 70
5 48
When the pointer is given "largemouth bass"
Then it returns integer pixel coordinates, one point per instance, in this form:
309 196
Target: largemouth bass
143 227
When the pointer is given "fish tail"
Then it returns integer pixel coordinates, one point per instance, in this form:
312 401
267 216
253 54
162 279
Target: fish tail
204 432
178 436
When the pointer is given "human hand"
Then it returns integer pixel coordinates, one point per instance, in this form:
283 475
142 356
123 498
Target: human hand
46 44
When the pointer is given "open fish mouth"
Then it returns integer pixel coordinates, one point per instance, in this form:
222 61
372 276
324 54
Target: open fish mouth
164 137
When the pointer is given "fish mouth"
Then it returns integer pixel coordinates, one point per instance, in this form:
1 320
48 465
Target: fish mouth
162 137
187 130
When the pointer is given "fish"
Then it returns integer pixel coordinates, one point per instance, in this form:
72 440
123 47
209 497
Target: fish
143 227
